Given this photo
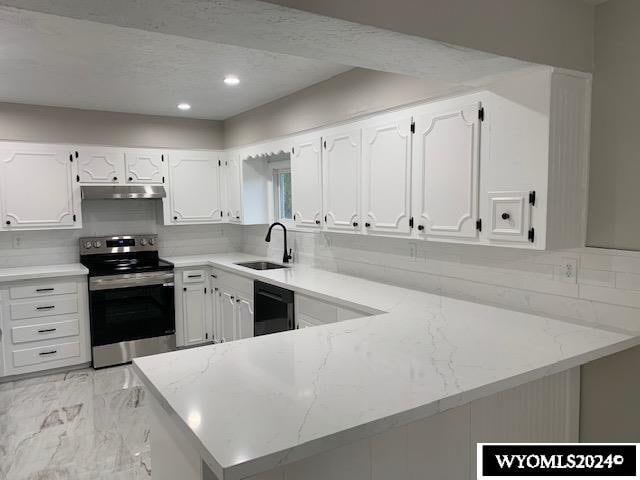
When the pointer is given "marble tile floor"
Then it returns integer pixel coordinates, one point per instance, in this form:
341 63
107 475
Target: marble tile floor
81 425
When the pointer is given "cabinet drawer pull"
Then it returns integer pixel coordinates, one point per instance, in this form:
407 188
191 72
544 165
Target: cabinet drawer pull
49 352
47 330
194 276
50 289
47 307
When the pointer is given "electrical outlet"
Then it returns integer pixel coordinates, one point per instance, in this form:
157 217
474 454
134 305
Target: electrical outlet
413 250
569 270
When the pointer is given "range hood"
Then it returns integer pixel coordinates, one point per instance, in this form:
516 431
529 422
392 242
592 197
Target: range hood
121 193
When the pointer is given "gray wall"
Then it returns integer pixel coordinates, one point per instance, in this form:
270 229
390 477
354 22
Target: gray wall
345 96
614 198
68 125
553 32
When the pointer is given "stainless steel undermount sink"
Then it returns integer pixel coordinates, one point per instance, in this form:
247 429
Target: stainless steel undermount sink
261 265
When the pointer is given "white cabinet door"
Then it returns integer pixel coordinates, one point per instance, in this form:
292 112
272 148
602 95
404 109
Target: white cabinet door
233 189
386 175
144 166
194 187
38 187
194 314
446 169
306 182
228 315
244 318
102 165
341 183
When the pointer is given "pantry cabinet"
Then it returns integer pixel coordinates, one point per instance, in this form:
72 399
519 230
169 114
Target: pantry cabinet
38 187
341 179
446 161
386 174
306 187
144 166
194 188
100 165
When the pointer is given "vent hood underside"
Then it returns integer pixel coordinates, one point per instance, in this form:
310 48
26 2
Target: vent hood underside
122 193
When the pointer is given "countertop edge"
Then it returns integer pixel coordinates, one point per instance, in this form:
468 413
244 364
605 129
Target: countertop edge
13 274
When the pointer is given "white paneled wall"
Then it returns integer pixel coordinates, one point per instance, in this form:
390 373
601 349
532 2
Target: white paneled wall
606 293
106 217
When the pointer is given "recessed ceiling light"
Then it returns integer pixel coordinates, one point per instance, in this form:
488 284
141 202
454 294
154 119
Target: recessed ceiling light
231 80
184 106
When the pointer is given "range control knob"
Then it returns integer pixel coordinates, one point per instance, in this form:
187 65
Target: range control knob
152 241
97 244
87 244
143 241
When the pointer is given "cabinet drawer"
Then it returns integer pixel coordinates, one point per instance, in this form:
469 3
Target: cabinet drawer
49 353
238 283
44 307
42 290
193 276
44 331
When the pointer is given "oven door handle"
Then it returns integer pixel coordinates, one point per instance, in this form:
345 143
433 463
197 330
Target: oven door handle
130 280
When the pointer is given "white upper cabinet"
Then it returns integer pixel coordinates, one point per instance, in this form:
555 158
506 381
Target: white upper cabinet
233 188
386 174
144 166
38 187
194 188
446 153
101 165
306 181
341 179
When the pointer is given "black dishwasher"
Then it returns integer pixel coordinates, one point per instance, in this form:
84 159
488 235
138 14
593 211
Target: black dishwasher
273 309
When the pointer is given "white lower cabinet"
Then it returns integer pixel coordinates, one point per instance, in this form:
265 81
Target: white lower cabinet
45 324
311 312
244 317
228 315
191 307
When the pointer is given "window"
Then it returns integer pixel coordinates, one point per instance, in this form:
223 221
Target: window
282 193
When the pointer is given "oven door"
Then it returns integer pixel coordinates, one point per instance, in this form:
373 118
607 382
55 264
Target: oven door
131 309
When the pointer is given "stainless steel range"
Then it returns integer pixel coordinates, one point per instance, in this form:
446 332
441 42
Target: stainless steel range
131 298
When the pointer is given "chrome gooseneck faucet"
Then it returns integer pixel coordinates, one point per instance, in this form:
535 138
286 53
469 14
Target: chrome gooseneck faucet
287 254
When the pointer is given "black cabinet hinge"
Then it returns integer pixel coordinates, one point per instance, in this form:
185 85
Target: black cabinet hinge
413 127
206 336
219 163
71 157
162 157
411 222
325 219
76 152
479 225
532 197
531 235
205 289
220 213
77 178
481 114
74 217
293 150
325 144
162 179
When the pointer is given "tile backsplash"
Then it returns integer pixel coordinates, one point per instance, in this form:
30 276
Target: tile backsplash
588 285
106 217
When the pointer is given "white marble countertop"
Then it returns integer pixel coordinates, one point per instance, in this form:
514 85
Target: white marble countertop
257 403
12 274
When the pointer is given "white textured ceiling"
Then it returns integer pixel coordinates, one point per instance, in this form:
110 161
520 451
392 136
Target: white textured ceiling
58 61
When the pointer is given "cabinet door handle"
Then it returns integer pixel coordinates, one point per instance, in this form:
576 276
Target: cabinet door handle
505 216
131 179
50 352
237 300
8 222
421 227
50 289
355 224
194 276
317 222
47 330
367 224
47 307
115 179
